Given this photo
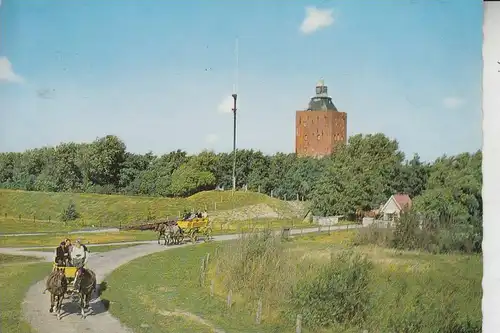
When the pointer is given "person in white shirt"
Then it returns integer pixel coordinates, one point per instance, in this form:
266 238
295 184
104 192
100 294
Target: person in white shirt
79 257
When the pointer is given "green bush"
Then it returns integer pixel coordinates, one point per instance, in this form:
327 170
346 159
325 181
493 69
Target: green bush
69 213
338 294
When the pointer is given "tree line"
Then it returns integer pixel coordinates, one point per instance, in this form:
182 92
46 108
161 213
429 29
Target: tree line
359 177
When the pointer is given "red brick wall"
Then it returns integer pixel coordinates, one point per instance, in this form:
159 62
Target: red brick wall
319 132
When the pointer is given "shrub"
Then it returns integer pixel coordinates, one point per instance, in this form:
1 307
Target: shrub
338 294
69 213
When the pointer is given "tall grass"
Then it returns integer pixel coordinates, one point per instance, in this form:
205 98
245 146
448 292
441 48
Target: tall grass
414 232
434 293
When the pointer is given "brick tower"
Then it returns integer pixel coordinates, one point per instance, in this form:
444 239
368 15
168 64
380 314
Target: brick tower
321 127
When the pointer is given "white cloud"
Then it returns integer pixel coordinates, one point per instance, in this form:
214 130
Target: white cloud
7 72
226 105
211 138
316 19
452 102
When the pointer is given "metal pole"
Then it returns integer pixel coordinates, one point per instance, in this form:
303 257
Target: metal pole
235 96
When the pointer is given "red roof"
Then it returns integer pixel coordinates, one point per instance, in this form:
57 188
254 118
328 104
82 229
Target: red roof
403 200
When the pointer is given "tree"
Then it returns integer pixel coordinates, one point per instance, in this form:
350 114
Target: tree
359 176
412 177
187 180
102 161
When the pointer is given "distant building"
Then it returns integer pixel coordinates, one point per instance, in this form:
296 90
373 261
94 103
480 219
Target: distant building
396 204
321 127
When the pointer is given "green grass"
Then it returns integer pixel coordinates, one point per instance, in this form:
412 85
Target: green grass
90 238
25 211
145 301
129 236
92 249
406 287
15 281
9 258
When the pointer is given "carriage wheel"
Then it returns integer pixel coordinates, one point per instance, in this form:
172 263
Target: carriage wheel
194 236
208 234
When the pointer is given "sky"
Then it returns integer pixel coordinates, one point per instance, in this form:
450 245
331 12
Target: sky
160 74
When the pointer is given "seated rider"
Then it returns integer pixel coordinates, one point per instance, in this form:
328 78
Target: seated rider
61 255
79 259
68 249
204 214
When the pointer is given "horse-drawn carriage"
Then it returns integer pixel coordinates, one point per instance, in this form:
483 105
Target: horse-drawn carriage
193 228
175 232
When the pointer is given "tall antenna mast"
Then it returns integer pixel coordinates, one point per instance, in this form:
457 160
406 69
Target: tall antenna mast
236 70
235 96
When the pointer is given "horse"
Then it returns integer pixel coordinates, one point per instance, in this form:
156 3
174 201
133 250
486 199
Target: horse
161 229
174 234
57 285
85 284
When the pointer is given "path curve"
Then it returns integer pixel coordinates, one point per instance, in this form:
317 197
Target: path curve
36 305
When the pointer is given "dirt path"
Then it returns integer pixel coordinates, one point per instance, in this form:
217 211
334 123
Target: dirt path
36 304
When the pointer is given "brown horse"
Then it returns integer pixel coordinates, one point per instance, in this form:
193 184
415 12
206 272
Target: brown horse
85 284
174 234
161 229
56 284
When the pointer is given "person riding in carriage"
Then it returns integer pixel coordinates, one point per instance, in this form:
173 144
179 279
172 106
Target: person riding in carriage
61 258
79 257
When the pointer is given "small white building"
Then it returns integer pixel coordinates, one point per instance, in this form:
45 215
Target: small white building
396 204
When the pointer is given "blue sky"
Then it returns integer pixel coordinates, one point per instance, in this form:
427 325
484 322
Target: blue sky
158 73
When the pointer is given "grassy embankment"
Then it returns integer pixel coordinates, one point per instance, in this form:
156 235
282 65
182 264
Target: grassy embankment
381 290
92 249
17 274
23 211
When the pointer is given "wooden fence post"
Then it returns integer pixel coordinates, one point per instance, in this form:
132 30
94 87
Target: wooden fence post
215 205
202 272
229 298
258 315
212 287
298 324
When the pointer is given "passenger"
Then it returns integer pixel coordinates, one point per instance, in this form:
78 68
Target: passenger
61 255
79 258
68 248
204 214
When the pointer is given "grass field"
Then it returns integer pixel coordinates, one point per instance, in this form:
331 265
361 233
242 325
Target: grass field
409 291
90 238
14 283
40 211
92 249
129 236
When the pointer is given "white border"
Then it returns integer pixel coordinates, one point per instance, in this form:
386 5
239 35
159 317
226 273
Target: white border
491 164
